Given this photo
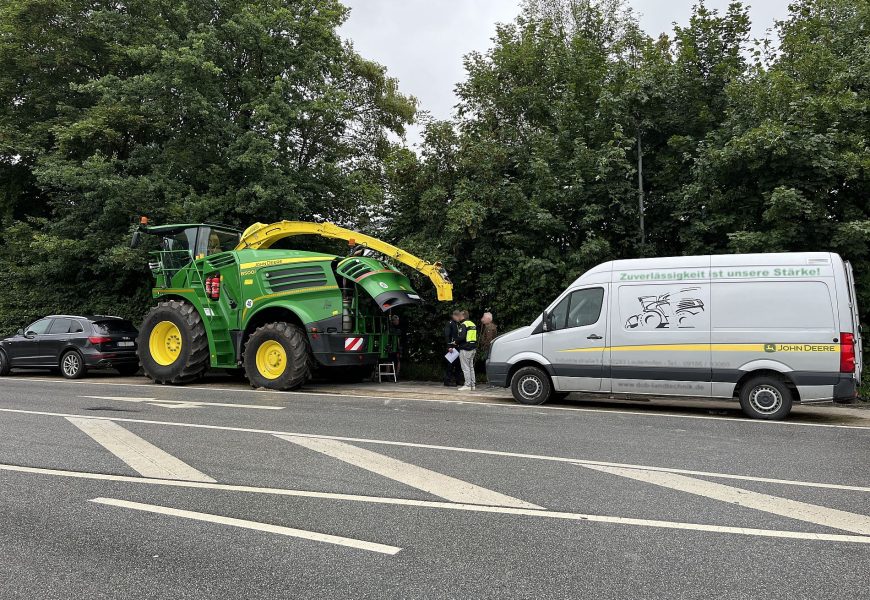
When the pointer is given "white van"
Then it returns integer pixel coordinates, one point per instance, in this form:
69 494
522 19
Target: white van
767 329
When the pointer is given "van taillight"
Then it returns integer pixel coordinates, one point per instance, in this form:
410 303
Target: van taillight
213 287
847 353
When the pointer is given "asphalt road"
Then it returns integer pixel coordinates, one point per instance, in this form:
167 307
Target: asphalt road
120 490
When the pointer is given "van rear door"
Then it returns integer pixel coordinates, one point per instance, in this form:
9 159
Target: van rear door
856 321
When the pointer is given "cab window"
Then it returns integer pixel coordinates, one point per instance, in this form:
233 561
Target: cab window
177 248
39 327
577 309
213 241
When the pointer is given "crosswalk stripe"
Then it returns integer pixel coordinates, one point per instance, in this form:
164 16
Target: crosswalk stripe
257 526
784 507
450 506
432 482
143 457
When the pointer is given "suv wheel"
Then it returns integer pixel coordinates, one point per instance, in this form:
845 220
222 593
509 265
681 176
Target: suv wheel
72 366
276 357
765 397
531 385
4 364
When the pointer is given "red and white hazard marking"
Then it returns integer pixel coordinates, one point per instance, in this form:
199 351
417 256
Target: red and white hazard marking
353 344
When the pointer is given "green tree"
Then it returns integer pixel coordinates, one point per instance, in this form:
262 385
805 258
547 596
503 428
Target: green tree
789 168
231 111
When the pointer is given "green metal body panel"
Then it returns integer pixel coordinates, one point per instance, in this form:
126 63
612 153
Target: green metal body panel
305 283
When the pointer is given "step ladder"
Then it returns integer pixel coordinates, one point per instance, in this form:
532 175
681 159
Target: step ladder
387 370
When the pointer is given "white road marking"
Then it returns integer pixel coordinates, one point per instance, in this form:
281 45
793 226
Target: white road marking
432 482
143 457
497 403
181 403
280 530
561 459
784 507
475 508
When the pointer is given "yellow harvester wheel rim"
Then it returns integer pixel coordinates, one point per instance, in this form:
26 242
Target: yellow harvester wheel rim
164 343
271 359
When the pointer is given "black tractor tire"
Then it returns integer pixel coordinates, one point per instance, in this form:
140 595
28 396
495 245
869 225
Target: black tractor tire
127 370
765 397
292 365
5 367
193 356
531 385
72 365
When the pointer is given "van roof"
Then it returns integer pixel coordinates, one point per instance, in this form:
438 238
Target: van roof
704 261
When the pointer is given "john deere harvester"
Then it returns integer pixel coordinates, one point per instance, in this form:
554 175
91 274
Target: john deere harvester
227 299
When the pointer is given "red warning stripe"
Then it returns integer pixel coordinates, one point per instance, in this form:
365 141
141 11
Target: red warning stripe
353 344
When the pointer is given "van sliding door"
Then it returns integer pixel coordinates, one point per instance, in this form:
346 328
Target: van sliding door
660 331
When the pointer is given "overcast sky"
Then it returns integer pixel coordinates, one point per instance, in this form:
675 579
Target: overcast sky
422 42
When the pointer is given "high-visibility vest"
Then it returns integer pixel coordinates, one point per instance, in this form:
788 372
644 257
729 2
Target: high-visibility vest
470 332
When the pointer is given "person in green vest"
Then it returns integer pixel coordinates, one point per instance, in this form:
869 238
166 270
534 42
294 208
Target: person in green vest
466 341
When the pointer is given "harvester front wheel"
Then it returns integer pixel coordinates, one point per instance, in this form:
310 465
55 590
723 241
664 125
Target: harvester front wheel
173 346
276 357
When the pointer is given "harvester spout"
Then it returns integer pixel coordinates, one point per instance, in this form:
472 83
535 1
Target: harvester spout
260 236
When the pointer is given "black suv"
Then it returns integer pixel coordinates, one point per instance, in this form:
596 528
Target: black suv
72 344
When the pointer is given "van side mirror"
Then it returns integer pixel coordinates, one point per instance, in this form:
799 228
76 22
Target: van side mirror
545 321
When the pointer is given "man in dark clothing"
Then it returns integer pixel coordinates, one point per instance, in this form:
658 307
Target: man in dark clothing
452 370
397 329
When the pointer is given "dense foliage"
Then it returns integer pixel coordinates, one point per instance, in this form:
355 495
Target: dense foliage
244 110
225 111
746 147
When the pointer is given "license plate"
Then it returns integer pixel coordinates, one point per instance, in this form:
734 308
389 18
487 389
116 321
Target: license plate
126 343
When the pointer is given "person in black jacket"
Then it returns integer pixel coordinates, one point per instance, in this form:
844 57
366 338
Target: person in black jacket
452 370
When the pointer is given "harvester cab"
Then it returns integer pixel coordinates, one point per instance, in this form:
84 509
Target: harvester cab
228 299
180 245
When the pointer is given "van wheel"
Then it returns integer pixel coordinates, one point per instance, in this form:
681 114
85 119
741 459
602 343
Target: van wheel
765 397
530 385
276 357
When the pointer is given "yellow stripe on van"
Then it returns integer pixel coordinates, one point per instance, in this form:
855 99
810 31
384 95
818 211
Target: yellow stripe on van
767 348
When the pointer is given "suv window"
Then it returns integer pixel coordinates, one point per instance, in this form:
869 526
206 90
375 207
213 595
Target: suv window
577 309
75 327
60 326
39 327
114 326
